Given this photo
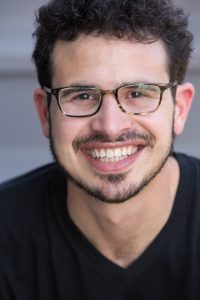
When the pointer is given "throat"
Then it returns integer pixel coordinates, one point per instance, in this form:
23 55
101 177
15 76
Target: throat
123 232
123 256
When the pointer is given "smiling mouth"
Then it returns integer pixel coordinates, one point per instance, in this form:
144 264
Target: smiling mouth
110 155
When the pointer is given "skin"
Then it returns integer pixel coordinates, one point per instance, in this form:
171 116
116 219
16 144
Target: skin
121 231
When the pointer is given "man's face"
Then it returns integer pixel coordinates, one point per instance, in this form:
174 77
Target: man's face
134 148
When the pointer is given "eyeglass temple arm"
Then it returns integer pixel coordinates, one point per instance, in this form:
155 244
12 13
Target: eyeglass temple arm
46 89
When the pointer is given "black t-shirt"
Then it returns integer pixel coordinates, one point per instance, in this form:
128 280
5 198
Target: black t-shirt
44 256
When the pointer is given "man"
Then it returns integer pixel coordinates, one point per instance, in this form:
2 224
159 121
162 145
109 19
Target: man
117 215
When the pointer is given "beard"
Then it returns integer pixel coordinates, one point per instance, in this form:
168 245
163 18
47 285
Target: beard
111 181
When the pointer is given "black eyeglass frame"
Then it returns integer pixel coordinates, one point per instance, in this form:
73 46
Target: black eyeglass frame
102 93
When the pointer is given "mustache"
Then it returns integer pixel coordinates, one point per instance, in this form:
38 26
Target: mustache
103 138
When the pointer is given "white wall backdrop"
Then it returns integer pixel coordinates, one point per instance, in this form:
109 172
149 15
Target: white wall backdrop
22 146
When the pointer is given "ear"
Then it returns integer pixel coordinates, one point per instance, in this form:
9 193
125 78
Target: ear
41 105
183 101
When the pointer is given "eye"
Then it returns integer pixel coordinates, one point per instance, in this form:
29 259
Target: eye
84 96
135 94
138 93
74 95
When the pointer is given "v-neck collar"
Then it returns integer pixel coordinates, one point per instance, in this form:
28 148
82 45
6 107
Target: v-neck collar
100 263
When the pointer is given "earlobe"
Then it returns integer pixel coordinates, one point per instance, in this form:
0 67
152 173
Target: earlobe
41 105
183 101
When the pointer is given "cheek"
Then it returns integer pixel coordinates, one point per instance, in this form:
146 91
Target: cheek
159 125
65 130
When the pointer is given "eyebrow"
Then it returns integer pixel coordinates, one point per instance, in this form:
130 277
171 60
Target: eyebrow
91 85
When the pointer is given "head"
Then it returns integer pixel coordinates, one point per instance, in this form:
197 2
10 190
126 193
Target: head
112 155
141 21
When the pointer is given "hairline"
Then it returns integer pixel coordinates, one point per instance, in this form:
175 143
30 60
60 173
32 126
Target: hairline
108 37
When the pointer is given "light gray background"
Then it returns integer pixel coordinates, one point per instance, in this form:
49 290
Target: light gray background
22 146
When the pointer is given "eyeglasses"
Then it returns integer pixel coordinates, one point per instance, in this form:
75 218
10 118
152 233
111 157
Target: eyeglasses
84 101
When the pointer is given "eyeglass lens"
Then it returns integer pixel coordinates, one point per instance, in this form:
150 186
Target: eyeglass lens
140 98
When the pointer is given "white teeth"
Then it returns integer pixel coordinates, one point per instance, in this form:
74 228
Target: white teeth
112 159
112 154
129 149
102 153
109 153
124 151
133 150
117 152
96 153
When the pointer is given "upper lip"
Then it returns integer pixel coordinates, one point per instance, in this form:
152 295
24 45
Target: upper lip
95 145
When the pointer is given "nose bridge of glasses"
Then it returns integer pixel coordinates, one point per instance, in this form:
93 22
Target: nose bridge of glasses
114 93
108 92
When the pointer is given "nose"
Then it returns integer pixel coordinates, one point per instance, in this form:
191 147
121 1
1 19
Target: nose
111 120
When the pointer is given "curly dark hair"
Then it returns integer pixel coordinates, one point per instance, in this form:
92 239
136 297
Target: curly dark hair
142 21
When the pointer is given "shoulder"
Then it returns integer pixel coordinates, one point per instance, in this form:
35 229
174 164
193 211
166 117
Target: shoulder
26 182
189 184
21 196
187 162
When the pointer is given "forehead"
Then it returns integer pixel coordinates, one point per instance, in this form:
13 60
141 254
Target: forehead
90 58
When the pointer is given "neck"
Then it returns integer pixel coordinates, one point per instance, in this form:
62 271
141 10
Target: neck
122 232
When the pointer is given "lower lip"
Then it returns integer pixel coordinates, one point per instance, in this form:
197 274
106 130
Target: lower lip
114 167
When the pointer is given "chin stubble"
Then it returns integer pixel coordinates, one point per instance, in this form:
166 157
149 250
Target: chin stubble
112 180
